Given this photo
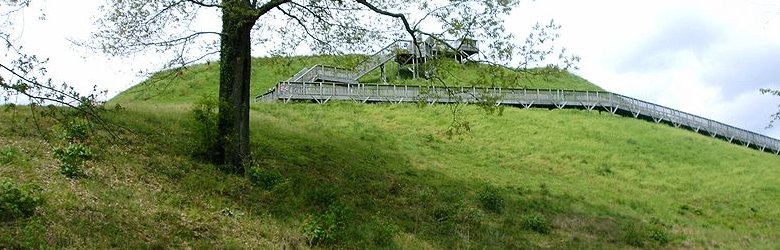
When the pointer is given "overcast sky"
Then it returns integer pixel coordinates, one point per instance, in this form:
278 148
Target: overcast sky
704 57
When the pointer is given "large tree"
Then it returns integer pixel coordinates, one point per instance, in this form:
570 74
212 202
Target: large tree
175 27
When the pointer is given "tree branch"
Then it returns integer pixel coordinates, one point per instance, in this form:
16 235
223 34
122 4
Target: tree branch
302 24
265 8
167 43
407 26
38 85
325 10
85 104
163 11
202 4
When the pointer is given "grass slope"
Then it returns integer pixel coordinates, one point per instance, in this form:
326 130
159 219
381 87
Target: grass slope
388 176
191 84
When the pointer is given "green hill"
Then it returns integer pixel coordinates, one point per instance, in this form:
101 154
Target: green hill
346 175
191 84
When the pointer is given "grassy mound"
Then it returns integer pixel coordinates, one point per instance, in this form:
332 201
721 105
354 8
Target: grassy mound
345 175
189 85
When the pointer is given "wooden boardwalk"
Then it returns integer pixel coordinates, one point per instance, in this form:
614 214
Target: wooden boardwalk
322 92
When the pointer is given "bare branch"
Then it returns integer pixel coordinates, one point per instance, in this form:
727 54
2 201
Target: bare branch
302 24
265 8
202 4
177 40
163 10
403 19
38 85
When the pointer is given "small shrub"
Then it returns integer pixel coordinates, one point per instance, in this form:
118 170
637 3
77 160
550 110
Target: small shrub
75 151
72 158
537 223
205 115
264 178
325 228
78 131
491 200
18 201
8 154
660 235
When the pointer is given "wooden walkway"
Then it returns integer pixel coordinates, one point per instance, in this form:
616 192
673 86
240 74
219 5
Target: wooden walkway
321 92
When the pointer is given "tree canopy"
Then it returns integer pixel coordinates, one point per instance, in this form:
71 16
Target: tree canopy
181 27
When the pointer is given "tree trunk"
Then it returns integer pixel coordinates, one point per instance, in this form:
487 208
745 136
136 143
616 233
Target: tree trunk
235 69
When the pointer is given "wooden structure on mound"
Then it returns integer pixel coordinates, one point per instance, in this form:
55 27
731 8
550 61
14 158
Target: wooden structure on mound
405 53
322 84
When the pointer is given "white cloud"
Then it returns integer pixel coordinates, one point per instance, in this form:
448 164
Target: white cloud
704 57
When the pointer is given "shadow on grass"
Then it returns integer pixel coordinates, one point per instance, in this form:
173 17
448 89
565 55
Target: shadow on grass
376 192
337 188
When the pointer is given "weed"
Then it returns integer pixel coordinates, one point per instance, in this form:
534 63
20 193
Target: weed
18 201
8 154
537 223
491 200
326 227
72 158
660 235
604 170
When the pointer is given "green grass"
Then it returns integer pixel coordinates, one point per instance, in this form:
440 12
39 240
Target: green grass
388 176
192 83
